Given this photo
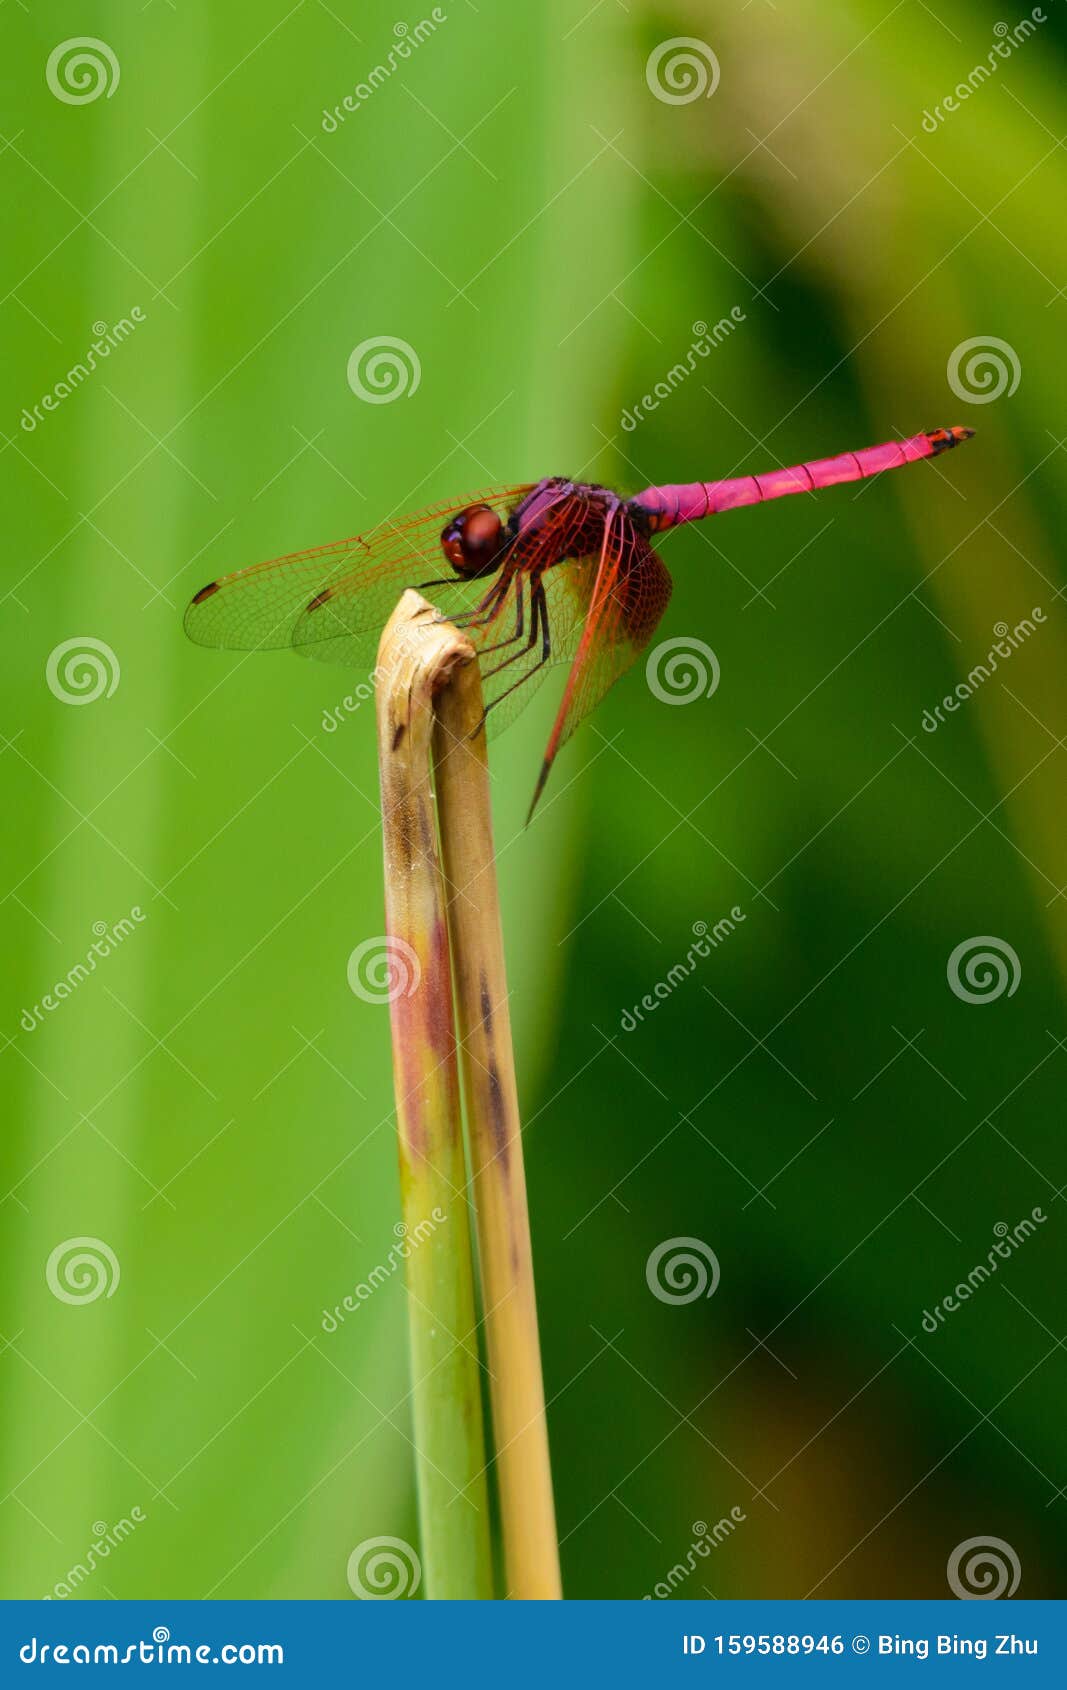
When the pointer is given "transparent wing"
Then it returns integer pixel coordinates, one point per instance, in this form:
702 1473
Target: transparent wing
625 602
496 612
603 592
337 598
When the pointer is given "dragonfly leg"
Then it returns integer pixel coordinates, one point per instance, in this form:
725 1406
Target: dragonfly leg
531 640
488 607
484 610
539 618
519 623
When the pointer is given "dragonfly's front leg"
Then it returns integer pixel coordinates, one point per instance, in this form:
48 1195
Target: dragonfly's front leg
519 622
531 640
484 612
538 620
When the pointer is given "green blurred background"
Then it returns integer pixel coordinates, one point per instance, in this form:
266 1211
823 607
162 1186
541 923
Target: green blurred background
814 1103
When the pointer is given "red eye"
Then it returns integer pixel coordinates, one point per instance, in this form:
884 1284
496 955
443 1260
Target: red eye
472 540
452 546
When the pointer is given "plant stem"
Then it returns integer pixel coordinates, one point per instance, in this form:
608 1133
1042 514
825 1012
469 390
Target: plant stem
415 658
520 1434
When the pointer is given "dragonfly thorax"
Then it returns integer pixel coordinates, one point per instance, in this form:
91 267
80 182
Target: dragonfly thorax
574 511
472 541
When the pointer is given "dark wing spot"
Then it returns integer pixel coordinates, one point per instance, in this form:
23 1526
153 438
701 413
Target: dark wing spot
205 592
320 598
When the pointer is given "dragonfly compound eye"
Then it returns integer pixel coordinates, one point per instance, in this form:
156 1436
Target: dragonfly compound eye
472 541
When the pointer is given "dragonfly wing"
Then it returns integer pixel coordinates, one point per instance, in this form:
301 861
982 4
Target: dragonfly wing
276 604
628 595
343 623
331 602
333 625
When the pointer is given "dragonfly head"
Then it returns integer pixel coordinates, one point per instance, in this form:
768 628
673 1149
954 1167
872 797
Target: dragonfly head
472 541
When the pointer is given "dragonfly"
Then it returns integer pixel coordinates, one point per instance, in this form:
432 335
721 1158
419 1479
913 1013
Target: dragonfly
550 572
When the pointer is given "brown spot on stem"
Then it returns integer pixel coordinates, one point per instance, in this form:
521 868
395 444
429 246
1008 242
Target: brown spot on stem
486 1006
498 1117
427 839
402 847
398 734
438 996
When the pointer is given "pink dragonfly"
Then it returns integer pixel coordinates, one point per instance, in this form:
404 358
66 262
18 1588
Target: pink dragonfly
553 571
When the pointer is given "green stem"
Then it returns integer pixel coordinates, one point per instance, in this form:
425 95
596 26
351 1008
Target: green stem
415 658
520 1432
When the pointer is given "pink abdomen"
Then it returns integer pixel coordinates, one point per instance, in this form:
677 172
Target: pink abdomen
689 501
